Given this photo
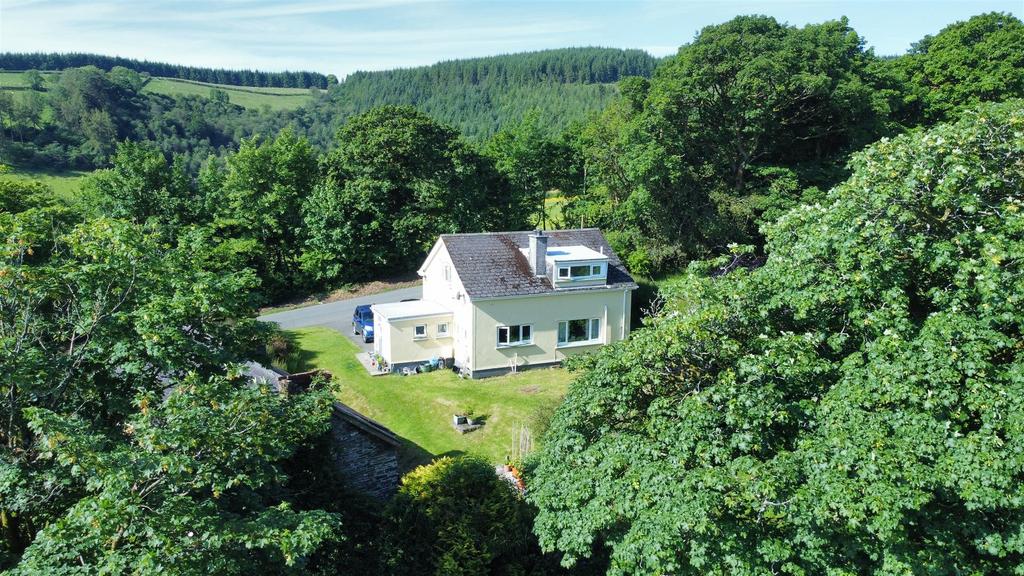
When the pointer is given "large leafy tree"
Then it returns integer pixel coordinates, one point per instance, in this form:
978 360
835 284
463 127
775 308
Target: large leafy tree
856 405
142 186
534 163
187 487
977 60
730 131
259 202
396 180
93 313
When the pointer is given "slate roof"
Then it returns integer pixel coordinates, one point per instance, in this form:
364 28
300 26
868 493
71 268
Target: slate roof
491 265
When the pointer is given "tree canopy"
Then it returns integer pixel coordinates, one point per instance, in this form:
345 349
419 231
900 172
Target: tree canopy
976 60
852 406
396 180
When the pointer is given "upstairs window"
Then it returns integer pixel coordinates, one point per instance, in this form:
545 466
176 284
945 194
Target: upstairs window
517 335
442 329
581 331
581 272
419 332
447 273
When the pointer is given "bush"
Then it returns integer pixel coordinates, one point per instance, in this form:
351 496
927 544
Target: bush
456 516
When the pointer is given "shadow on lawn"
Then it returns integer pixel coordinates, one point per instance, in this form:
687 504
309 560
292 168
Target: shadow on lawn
411 455
292 357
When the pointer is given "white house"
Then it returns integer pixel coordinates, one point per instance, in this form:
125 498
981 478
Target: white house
504 301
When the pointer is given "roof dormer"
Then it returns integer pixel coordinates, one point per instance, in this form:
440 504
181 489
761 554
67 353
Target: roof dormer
574 266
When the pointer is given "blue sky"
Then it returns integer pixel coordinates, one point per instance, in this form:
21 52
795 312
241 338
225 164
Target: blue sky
341 36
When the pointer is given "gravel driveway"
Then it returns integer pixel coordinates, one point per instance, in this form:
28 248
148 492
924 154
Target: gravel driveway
338 314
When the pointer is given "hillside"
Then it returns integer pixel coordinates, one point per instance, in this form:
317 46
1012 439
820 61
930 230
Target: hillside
63 61
249 97
252 98
479 95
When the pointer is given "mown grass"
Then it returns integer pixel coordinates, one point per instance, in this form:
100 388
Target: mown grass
419 408
245 96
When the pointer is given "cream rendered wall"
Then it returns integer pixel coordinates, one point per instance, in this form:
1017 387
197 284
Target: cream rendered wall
437 289
544 313
382 337
404 347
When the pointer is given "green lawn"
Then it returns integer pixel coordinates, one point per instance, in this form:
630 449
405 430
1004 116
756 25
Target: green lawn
65 184
419 408
245 96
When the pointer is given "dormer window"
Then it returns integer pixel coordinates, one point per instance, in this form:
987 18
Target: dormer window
581 272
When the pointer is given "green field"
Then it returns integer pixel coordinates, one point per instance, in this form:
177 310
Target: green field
419 408
244 96
65 184
16 80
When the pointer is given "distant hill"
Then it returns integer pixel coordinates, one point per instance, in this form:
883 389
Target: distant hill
63 61
479 95
72 118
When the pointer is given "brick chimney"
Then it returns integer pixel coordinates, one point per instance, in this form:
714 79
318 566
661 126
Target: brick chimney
539 253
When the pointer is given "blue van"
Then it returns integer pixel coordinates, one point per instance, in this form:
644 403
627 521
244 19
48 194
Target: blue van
362 322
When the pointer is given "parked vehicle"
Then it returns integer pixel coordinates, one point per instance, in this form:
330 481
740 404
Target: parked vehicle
362 322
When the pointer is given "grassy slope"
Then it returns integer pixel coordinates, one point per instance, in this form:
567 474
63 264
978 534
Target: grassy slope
17 79
420 408
65 185
245 96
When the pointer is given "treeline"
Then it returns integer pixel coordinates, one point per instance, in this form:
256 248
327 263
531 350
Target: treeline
589 65
755 117
257 78
480 95
393 181
77 121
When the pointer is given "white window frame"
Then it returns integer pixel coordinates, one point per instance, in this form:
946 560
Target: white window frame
442 333
416 335
593 335
565 272
508 339
447 273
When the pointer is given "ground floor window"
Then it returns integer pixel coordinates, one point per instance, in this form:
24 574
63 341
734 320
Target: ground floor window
583 330
515 335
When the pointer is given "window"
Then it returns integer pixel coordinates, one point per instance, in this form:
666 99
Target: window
419 332
515 335
447 273
578 331
581 272
442 329
578 271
